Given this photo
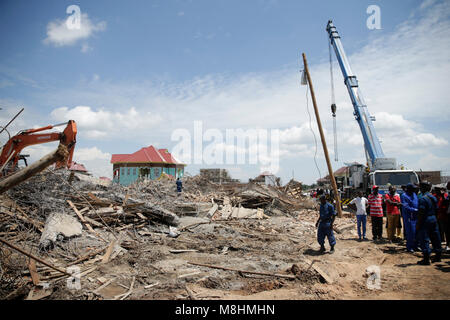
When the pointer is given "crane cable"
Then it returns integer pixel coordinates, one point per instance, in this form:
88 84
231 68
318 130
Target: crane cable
304 81
333 104
311 128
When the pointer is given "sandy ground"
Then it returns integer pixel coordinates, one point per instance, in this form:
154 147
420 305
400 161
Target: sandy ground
269 245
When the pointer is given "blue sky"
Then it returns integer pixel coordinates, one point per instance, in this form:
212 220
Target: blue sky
145 68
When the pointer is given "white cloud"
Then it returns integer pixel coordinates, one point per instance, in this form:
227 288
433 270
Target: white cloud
103 123
432 162
85 48
58 34
93 153
395 130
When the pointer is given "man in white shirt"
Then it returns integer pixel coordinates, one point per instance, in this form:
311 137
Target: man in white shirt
360 204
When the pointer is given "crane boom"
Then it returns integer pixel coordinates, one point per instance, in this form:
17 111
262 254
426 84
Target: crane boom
383 171
374 152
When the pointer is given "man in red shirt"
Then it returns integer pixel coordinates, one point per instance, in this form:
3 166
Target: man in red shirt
393 203
442 215
376 213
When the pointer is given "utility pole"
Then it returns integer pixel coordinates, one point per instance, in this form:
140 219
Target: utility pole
322 137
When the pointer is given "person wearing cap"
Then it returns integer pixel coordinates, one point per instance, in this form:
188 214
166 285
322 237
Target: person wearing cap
325 224
393 203
410 208
376 213
427 226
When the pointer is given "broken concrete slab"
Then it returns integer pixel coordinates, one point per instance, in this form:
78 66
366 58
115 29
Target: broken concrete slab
57 225
213 210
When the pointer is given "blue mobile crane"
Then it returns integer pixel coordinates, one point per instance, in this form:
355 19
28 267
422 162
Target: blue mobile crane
382 170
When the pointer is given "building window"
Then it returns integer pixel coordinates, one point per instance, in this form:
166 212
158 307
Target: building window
123 171
128 171
134 171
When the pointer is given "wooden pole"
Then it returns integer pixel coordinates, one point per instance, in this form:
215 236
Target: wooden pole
243 271
33 257
58 155
322 137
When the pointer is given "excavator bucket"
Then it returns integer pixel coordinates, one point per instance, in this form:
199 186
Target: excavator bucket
69 139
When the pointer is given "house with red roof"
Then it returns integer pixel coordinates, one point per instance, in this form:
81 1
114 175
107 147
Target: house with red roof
77 167
148 162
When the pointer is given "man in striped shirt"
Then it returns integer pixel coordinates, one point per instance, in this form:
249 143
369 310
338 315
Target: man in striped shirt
376 213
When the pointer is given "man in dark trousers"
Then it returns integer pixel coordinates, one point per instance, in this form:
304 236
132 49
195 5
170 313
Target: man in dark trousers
376 213
410 208
179 186
325 224
427 225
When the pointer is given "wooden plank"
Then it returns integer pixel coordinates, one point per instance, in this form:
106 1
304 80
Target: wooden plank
37 294
110 249
151 285
132 205
140 215
84 209
33 272
93 222
194 225
244 271
107 283
182 250
89 255
88 226
325 276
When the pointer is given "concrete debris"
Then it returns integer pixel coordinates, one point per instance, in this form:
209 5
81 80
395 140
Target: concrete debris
173 232
59 226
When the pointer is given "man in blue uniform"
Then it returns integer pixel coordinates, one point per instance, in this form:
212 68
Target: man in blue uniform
410 208
427 225
325 224
179 186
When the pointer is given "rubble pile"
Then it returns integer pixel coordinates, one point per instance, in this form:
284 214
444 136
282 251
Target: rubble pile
73 219
274 200
218 176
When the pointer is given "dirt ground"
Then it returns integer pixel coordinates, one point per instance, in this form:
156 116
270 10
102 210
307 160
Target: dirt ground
271 245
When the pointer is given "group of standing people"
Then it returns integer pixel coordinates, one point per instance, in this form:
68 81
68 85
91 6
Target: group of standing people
425 217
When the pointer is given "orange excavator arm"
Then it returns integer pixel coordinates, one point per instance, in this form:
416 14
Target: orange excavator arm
11 150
